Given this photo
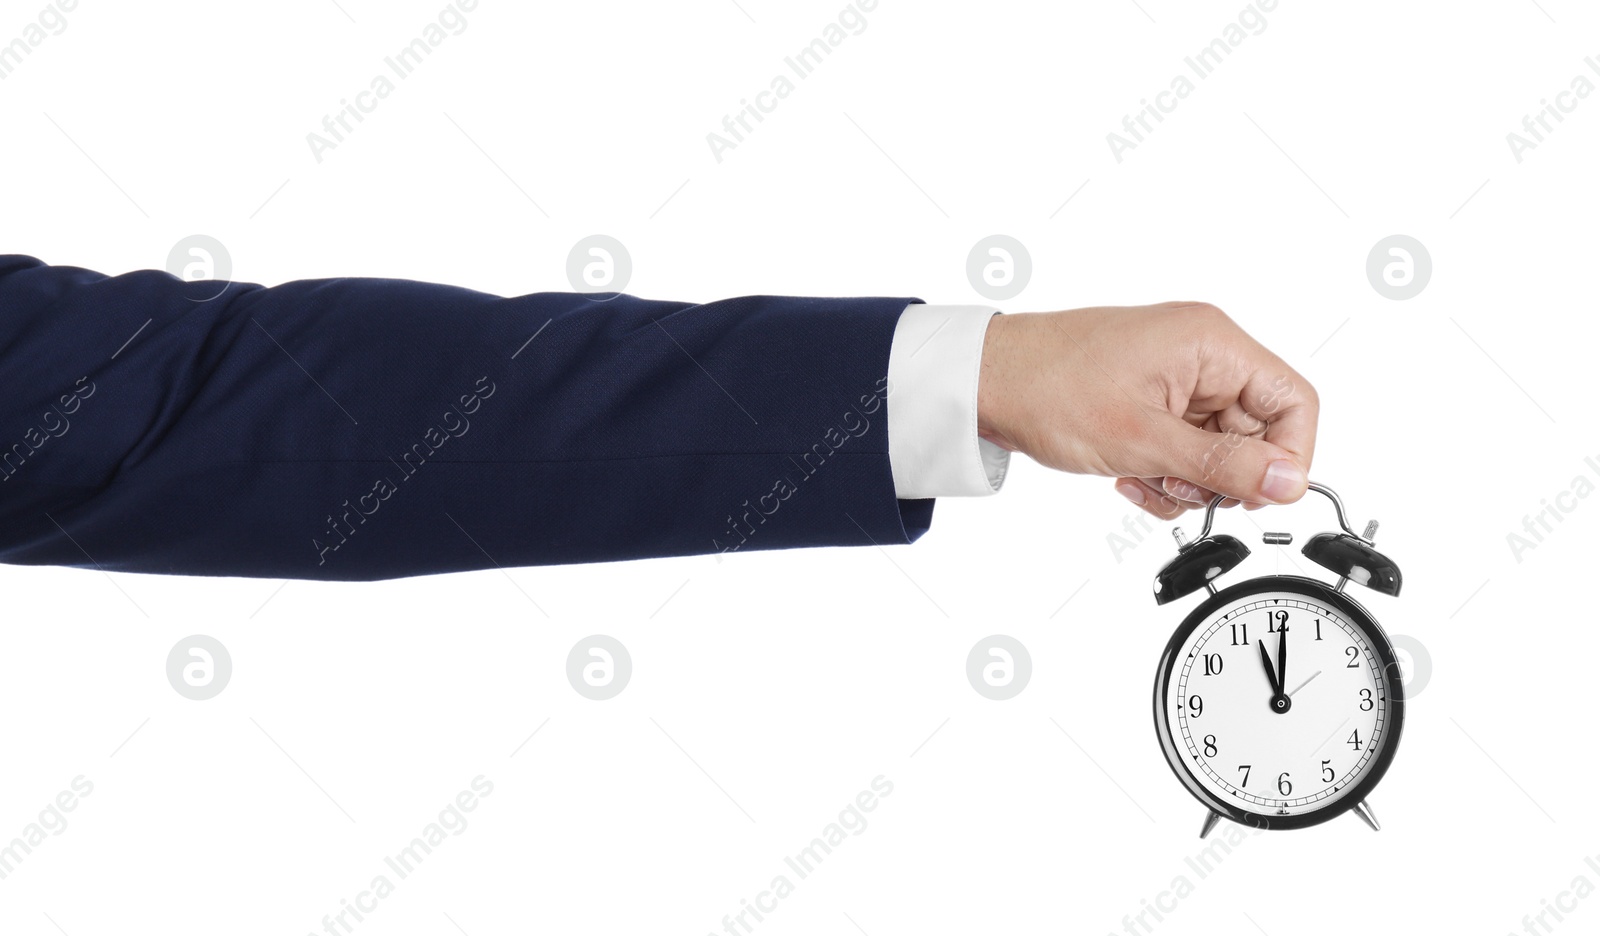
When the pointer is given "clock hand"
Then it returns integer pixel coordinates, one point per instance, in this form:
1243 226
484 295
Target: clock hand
1283 648
1279 702
1266 664
1303 685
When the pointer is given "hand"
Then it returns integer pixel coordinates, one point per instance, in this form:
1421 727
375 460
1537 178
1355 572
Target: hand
1283 649
1273 680
1175 401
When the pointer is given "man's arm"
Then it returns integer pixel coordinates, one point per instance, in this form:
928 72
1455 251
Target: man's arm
366 429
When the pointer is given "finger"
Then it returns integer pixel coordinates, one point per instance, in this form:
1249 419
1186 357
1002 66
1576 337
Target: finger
1251 470
1186 491
1288 405
1248 385
1285 407
1151 500
1237 420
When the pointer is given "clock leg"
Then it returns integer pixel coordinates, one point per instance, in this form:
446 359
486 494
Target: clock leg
1209 824
1365 812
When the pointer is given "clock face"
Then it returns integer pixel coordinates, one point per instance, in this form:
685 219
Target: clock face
1279 702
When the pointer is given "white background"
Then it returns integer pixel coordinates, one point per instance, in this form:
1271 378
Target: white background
768 690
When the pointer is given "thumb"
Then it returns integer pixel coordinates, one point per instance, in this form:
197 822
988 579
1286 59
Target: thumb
1239 466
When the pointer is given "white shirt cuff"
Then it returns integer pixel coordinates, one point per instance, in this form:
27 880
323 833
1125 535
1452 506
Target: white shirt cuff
934 362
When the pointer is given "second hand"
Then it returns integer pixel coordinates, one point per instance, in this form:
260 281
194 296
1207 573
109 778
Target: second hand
1303 685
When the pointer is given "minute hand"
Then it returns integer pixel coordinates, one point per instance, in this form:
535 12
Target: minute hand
1283 649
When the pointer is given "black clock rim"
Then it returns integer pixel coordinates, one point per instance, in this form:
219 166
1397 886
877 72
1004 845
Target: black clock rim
1394 691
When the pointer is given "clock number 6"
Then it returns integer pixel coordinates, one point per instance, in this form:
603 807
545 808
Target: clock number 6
1284 786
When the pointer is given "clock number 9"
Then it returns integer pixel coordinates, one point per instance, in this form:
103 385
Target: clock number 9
1211 745
1196 706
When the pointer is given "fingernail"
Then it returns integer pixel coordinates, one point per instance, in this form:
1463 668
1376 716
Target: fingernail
1132 492
1183 490
1283 481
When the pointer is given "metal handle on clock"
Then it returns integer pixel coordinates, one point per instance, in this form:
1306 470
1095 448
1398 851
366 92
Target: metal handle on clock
1323 489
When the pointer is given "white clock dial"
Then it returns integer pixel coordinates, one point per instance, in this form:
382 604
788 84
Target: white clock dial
1269 744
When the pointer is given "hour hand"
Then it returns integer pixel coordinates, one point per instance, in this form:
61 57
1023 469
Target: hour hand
1266 664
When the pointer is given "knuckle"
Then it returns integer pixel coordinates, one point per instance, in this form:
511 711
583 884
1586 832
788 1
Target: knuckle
1200 309
1312 397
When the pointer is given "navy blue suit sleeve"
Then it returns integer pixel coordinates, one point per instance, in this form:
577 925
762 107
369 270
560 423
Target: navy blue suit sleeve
361 429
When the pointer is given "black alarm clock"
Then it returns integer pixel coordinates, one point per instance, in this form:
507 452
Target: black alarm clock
1278 700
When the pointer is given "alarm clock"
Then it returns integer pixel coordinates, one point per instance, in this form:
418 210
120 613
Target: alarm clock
1278 700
